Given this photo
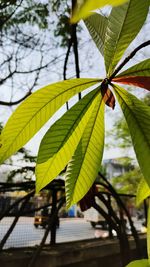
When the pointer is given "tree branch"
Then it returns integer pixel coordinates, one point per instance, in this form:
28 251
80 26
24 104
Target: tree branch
66 58
75 47
127 59
11 103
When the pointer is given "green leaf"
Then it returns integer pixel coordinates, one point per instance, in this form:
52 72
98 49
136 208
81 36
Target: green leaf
137 115
139 263
140 69
35 111
84 7
61 140
84 165
96 25
143 192
124 23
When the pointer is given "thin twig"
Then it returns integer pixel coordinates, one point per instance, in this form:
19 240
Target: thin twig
126 60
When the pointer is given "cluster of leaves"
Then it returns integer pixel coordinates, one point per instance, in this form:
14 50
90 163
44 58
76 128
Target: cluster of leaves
63 27
27 31
79 135
77 138
139 263
84 7
128 182
120 132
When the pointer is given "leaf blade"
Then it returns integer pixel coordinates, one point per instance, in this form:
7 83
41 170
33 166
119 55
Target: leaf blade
96 25
83 8
143 192
108 97
140 69
138 75
124 23
139 81
137 115
88 156
35 111
52 160
139 263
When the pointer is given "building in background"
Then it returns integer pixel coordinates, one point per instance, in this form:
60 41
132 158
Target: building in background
117 166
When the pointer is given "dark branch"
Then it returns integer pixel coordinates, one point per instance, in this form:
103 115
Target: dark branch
75 49
75 46
65 64
11 103
126 60
66 58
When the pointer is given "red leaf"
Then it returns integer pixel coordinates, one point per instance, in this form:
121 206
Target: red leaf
108 96
140 81
87 201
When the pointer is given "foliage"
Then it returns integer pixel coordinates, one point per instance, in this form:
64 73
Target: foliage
127 182
120 132
137 116
79 135
22 27
77 138
83 8
20 12
28 30
25 168
143 191
135 74
62 28
139 263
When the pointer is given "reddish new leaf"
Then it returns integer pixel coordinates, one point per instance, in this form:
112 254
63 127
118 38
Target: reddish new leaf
140 81
89 199
108 96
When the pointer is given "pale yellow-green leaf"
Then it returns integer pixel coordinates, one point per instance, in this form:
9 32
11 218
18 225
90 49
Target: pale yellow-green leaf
86 161
61 140
35 111
96 25
139 263
143 192
124 23
137 115
84 7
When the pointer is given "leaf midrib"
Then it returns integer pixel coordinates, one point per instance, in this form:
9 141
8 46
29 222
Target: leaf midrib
147 141
95 29
85 151
119 36
126 74
53 158
72 126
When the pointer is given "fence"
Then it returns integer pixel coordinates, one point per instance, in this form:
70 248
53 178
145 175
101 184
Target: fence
35 220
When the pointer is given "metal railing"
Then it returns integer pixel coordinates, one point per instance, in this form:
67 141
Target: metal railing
27 205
